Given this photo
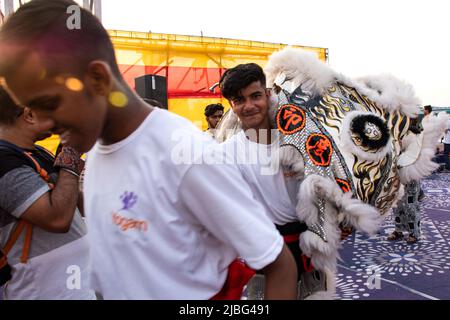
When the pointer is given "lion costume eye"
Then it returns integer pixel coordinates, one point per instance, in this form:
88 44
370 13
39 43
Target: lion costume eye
369 132
372 132
365 135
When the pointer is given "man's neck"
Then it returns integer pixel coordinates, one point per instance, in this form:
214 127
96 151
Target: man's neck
16 136
121 122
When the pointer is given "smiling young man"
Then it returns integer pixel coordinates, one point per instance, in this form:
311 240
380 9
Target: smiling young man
245 88
157 229
253 149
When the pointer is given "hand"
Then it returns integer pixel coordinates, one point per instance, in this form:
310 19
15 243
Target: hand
69 159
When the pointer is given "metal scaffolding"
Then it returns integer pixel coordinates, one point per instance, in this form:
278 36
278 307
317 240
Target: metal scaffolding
94 6
6 8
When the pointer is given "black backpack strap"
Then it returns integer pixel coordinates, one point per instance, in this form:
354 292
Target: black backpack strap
5 145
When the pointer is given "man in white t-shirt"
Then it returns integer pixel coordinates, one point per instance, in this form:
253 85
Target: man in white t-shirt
253 148
158 226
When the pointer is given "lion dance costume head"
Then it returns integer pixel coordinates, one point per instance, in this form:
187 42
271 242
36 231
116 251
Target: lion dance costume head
348 142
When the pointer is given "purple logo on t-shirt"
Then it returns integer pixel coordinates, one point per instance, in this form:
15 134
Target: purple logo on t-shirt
124 222
129 199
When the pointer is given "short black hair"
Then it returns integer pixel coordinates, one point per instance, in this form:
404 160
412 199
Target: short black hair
428 108
42 26
240 77
213 108
9 110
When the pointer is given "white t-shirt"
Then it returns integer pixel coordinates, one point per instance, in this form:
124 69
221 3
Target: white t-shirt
447 135
163 229
264 176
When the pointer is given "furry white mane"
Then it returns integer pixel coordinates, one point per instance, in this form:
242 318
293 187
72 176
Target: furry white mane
292 67
390 93
295 67
433 128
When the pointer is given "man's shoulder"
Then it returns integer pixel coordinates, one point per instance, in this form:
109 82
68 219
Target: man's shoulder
173 130
233 139
167 124
170 117
10 160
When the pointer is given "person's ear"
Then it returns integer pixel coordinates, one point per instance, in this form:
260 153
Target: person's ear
99 78
231 104
28 115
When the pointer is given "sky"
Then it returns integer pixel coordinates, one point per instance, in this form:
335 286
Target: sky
409 39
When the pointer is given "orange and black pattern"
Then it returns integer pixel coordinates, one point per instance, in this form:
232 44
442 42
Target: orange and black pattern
344 185
290 119
319 149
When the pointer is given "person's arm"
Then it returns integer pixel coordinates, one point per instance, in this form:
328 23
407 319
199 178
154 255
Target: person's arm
54 210
281 277
221 200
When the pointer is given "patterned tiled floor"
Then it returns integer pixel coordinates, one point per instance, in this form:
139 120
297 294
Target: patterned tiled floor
374 268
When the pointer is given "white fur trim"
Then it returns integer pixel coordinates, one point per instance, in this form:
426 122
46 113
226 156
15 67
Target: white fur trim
306 206
291 159
433 128
366 218
390 93
297 67
362 216
411 146
323 255
228 126
273 110
358 214
348 144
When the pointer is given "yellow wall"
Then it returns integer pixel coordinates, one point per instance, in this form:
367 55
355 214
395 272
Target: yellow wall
193 109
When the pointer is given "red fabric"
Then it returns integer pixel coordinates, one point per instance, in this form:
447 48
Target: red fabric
290 238
238 276
307 268
307 264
